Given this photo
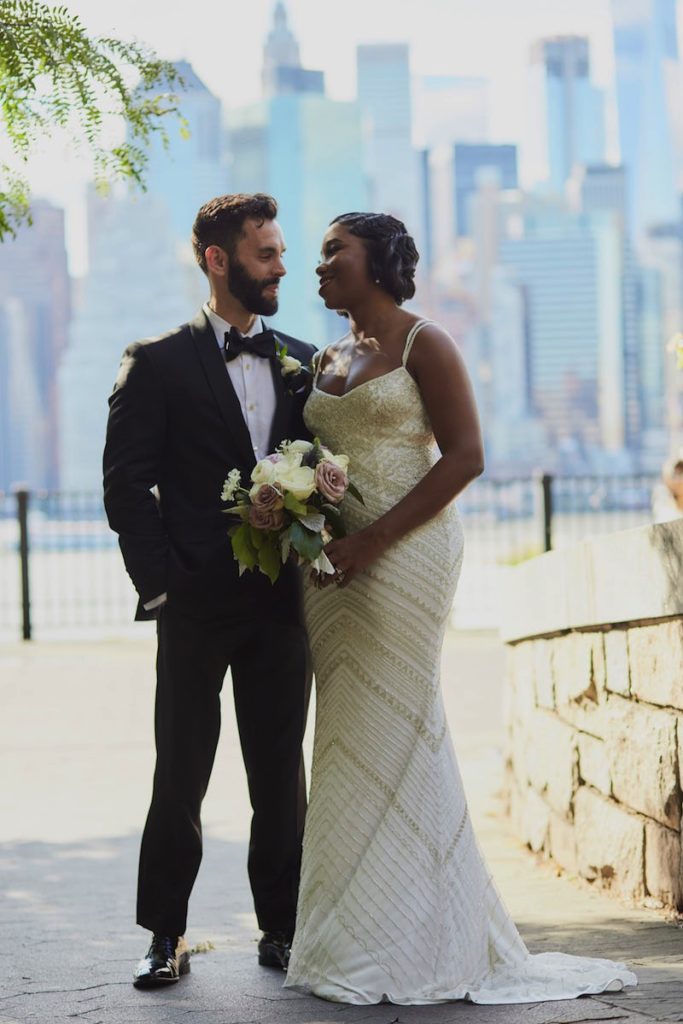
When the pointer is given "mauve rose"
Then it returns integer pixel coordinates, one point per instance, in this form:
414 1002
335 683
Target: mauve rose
331 481
275 457
266 520
268 498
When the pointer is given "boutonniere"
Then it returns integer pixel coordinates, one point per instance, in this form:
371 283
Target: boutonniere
295 374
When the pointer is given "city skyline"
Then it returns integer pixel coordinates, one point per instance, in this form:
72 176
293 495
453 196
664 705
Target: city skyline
466 48
560 299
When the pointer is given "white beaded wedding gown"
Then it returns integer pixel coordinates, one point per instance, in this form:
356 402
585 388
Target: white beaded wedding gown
396 902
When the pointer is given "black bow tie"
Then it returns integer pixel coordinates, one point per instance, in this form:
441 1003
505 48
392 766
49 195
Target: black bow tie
262 345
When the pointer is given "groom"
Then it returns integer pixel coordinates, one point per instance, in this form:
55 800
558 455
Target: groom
187 407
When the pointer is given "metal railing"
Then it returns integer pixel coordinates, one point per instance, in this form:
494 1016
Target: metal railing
61 572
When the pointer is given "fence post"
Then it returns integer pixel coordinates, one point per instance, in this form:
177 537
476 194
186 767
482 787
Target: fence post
546 485
22 518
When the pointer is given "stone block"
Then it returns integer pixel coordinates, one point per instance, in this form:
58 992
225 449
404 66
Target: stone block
532 818
587 715
594 763
562 843
573 667
617 662
551 760
544 681
609 843
663 864
656 661
516 752
641 747
520 679
598 663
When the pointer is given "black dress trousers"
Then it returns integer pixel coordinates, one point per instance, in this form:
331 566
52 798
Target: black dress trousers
270 666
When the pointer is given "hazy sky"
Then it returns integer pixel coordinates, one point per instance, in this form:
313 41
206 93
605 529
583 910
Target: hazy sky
223 40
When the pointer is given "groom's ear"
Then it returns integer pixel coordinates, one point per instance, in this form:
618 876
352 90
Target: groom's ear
216 260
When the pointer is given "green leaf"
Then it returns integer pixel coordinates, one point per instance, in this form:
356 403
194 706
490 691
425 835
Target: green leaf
269 559
257 537
238 510
308 545
334 518
314 456
293 504
313 520
285 544
242 548
353 490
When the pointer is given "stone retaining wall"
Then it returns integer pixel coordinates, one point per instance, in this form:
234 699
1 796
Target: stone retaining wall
595 712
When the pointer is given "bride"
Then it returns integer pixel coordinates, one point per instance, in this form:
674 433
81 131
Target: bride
396 902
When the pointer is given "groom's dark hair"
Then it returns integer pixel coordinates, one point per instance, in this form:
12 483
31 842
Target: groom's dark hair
221 221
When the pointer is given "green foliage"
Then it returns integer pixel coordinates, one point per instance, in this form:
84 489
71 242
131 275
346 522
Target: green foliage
242 547
353 490
269 558
307 544
333 516
293 504
54 76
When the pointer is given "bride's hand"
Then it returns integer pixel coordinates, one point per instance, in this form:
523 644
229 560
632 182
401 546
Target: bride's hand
351 555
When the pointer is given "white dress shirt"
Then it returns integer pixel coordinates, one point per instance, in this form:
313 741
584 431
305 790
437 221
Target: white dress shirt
252 380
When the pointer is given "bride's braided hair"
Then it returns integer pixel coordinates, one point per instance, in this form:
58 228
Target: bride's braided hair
392 255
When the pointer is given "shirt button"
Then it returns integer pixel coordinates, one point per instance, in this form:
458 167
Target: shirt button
247 366
252 407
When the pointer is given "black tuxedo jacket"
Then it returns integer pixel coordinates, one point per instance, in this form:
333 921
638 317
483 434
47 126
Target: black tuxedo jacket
176 426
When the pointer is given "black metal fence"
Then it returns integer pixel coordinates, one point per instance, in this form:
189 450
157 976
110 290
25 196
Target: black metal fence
61 573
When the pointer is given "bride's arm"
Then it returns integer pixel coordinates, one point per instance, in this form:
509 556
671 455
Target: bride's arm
440 373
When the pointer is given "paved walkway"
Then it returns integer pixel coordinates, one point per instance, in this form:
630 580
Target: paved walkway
75 767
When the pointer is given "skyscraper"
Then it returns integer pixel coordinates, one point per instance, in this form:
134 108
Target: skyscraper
450 108
384 95
306 150
281 50
193 168
648 101
602 189
135 288
661 314
34 315
571 267
282 71
303 149
574 108
469 161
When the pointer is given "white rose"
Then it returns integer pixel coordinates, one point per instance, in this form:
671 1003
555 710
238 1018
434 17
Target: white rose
298 480
303 447
265 472
289 365
291 459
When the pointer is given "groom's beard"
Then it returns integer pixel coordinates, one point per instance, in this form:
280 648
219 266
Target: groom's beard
249 290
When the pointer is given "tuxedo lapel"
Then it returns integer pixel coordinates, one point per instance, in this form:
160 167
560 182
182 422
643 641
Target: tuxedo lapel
283 405
219 381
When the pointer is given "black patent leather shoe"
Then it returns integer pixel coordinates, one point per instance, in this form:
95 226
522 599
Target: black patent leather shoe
273 950
167 958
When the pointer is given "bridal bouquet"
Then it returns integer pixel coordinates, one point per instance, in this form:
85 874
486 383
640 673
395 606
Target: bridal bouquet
292 506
